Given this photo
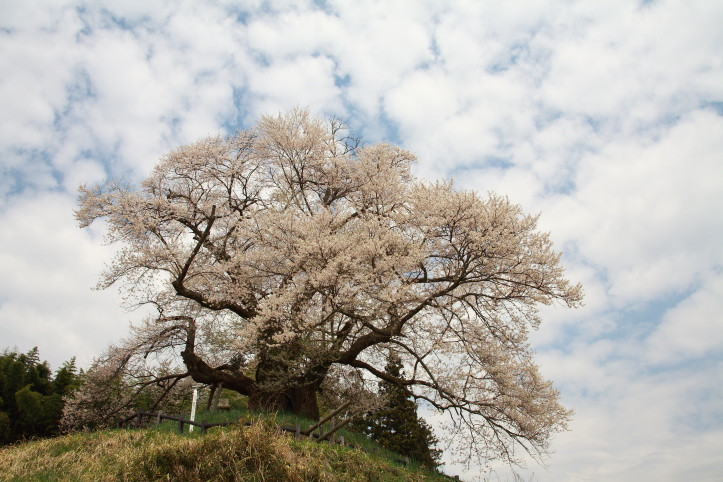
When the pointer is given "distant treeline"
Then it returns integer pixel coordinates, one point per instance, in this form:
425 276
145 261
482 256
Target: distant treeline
31 397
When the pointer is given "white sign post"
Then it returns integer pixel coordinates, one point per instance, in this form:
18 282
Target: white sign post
193 408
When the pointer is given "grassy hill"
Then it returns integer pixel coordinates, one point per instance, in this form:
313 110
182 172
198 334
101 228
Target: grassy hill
259 452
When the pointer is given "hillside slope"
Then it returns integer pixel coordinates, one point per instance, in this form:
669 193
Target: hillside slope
256 453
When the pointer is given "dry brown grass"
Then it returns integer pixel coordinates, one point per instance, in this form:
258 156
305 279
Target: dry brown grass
256 453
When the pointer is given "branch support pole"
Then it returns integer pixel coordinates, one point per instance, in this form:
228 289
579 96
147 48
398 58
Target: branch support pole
327 418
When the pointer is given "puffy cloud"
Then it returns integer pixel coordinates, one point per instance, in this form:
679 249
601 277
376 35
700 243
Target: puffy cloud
635 59
305 81
632 423
49 267
643 209
692 329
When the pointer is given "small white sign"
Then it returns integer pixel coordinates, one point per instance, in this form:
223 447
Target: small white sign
193 408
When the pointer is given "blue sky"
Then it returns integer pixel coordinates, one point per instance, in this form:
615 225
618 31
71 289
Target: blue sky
604 117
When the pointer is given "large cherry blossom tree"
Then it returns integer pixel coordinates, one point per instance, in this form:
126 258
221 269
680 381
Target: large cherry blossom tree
291 257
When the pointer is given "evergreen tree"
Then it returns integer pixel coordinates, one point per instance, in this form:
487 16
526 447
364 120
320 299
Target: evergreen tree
396 426
66 378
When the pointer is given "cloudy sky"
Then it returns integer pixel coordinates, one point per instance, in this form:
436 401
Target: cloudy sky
604 116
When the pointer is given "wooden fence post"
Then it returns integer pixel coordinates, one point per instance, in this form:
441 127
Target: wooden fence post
158 417
180 424
138 420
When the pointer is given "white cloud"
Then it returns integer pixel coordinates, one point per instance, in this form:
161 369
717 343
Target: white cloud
631 423
295 33
37 68
645 210
643 61
49 267
691 329
421 97
305 81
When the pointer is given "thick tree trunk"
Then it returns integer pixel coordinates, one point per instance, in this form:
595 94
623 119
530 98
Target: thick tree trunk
300 400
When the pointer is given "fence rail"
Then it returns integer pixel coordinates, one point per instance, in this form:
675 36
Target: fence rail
137 421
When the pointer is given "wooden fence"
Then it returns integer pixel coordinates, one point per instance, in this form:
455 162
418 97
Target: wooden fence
313 432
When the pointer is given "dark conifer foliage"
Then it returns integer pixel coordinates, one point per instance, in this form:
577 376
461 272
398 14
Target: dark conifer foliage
397 427
31 399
